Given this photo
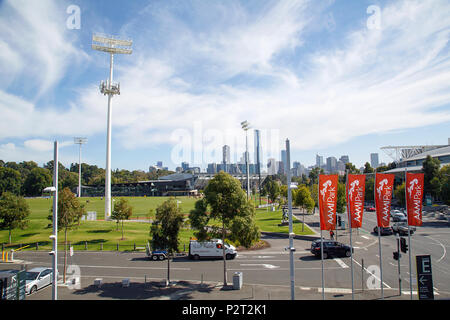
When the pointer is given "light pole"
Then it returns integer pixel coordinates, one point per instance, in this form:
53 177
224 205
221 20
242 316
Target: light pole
111 46
54 236
246 125
80 141
291 232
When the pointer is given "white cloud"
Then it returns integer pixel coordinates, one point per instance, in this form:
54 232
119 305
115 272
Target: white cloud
375 81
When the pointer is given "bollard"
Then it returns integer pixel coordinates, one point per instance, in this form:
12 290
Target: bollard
101 246
145 278
117 247
85 245
134 249
37 246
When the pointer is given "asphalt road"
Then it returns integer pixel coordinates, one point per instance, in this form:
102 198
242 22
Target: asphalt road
268 269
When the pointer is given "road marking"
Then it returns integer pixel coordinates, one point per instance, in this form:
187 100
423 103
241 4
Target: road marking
267 266
443 247
117 267
373 275
341 263
357 242
334 290
365 237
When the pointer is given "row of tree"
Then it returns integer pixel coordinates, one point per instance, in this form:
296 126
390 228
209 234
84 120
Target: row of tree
28 179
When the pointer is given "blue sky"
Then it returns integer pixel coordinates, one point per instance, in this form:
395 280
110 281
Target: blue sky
335 77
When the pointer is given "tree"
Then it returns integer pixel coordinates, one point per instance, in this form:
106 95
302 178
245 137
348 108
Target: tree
303 199
445 183
430 168
229 206
314 175
122 211
271 189
165 229
10 180
36 181
14 212
368 168
70 211
341 199
368 194
400 194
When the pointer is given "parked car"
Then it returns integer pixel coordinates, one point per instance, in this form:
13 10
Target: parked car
383 231
331 249
371 209
38 278
402 228
398 216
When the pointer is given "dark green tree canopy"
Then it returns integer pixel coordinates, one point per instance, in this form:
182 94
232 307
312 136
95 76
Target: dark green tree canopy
14 212
10 180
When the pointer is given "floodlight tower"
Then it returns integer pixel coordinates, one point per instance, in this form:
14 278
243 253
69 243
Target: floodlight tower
112 46
80 141
246 125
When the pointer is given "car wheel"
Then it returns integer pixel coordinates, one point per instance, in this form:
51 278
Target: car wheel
228 256
161 257
348 253
33 289
154 258
196 257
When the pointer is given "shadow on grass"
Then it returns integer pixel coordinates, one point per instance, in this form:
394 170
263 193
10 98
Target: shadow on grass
29 234
99 231
182 290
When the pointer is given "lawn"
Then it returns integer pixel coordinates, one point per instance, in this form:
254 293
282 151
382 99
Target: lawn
100 234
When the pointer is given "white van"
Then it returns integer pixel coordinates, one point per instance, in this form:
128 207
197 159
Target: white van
210 249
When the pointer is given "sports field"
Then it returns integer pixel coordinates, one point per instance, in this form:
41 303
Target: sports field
104 235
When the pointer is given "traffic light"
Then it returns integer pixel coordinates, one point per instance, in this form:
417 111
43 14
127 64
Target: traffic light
403 245
395 255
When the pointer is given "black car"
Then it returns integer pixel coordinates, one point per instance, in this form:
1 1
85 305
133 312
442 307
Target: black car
383 231
331 249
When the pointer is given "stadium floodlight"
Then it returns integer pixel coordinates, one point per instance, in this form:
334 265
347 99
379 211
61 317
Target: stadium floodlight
80 141
111 45
246 125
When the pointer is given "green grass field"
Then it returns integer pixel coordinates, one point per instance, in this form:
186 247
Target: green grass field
94 234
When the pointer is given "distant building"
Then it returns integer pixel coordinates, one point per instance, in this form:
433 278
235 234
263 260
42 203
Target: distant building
281 167
272 166
212 168
345 159
226 156
319 161
341 165
284 160
184 165
179 169
258 151
159 164
374 163
331 164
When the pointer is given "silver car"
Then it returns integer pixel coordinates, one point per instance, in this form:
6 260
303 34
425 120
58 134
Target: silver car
38 278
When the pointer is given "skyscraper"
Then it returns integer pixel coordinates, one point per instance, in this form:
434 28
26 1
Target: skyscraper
345 159
319 161
272 166
374 160
331 164
226 157
284 161
258 151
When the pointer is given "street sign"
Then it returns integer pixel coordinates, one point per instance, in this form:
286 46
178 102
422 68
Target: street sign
424 278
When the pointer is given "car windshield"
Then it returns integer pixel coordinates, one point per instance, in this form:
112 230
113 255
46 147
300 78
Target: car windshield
32 275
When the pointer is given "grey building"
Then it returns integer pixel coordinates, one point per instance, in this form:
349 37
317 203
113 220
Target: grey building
226 157
331 164
319 161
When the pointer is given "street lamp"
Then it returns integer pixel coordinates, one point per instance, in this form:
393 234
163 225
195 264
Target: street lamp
111 46
54 236
245 126
80 141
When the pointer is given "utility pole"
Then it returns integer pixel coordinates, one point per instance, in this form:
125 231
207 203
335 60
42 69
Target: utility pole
79 141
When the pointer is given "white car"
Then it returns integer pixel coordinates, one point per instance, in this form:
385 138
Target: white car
38 278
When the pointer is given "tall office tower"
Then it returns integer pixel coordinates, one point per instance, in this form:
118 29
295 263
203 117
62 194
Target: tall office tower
374 160
226 157
284 161
344 159
319 161
185 165
258 151
331 164
271 166
212 168
281 167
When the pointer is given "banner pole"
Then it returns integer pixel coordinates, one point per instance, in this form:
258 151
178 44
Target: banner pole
321 233
351 230
379 234
409 237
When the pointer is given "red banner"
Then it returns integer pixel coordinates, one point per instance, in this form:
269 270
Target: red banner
356 184
328 185
414 197
384 185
